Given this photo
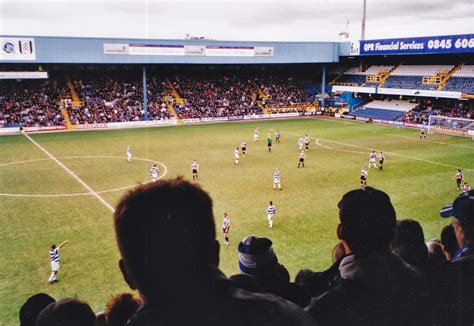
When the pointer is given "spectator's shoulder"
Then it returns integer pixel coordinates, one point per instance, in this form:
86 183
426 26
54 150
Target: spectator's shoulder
275 310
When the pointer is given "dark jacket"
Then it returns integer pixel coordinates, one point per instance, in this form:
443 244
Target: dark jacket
453 289
217 301
376 290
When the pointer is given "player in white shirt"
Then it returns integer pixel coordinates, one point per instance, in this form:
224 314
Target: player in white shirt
306 142
372 160
277 136
195 169
300 143
155 171
236 155
226 228
276 179
271 211
244 147
256 133
363 177
54 258
129 154
301 158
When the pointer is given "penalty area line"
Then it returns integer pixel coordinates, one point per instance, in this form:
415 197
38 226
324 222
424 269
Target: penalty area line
72 174
386 152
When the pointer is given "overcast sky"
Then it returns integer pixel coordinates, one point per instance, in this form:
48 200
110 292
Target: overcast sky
262 20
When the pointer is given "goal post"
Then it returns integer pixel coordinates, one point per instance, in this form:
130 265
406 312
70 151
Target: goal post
451 126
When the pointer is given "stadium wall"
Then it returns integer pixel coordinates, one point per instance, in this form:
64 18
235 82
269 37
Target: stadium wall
69 50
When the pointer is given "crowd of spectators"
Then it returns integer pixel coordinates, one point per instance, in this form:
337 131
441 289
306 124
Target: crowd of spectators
383 273
283 92
30 103
426 108
219 97
119 98
106 100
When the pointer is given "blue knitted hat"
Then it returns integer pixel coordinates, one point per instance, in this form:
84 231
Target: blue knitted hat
254 254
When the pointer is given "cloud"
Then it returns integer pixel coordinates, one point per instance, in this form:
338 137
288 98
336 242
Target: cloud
265 20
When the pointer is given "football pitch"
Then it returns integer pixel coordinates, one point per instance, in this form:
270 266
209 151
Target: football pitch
45 200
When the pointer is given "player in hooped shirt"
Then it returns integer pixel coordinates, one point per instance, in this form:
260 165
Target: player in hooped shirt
154 171
255 134
372 160
54 257
226 228
276 179
195 169
271 211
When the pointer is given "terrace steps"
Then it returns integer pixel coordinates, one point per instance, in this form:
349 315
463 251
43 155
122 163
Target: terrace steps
67 118
76 101
385 77
445 79
175 92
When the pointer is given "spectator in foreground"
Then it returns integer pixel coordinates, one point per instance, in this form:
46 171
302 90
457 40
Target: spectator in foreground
449 243
258 260
32 307
376 287
247 283
409 244
167 240
316 283
435 254
120 308
71 312
455 282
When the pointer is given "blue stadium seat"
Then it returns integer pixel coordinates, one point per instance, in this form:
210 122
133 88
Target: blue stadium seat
382 114
408 82
460 84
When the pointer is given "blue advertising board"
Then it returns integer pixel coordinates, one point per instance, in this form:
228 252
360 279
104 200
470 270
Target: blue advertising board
415 45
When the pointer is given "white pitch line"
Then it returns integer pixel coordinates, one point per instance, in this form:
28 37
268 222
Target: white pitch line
386 152
430 141
85 185
337 149
81 193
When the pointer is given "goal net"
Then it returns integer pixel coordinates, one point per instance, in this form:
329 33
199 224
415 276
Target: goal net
451 126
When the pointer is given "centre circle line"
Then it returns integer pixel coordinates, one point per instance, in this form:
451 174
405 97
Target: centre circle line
165 171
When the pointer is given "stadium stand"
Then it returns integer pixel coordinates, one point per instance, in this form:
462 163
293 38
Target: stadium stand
385 110
366 77
220 97
426 108
107 100
411 76
462 80
29 103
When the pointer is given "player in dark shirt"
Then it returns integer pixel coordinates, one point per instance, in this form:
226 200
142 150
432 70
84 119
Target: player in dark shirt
381 160
269 143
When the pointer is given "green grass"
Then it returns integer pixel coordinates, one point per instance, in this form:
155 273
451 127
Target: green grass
418 177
